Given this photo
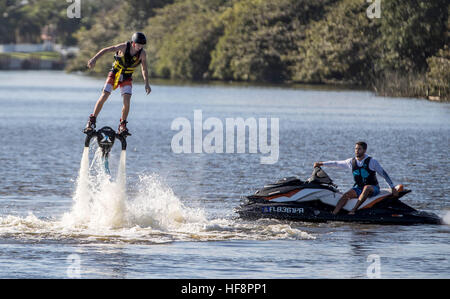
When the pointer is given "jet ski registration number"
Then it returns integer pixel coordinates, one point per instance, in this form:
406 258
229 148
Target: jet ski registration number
287 210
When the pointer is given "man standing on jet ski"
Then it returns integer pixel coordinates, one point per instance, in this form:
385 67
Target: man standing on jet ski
364 170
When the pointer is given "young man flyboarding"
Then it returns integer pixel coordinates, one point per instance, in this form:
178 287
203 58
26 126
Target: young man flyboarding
128 56
364 170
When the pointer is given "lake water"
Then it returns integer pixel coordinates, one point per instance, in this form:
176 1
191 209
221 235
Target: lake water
175 216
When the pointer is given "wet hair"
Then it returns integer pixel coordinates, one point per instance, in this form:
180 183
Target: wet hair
362 144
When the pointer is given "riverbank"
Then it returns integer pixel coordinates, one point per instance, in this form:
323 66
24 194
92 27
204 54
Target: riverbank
414 85
395 86
32 61
388 90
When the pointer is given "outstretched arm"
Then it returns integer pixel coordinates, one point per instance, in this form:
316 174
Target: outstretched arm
341 164
148 89
93 60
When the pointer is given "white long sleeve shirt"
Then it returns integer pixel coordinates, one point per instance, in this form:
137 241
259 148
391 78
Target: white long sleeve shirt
373 165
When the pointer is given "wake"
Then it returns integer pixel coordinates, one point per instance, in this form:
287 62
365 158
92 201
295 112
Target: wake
103 212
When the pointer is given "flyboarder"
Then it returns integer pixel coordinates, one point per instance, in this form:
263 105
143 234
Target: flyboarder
128 56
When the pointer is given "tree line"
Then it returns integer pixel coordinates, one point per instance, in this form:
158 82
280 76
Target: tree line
404 52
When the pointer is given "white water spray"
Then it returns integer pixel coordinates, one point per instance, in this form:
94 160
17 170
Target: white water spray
121 173
82 197
99 202
102 205
102 211
446 218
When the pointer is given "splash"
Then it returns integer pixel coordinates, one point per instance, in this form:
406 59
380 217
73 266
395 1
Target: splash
103 212
158 207
99 201
446 218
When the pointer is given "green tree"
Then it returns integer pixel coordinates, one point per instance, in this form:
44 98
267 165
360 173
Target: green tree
9 14
259 40
411 31
438 76
135 13
102 34
182 37
23 21
340 47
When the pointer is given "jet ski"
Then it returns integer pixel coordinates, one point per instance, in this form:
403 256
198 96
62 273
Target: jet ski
314 200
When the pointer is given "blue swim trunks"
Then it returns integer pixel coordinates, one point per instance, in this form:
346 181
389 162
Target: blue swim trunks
376 190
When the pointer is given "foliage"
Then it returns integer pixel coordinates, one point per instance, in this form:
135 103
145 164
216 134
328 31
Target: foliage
339 47
23 21
321 41
410 32
182 36
259 38
438 76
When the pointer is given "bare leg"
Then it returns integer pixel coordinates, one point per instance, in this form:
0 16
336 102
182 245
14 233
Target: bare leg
100 102
367 190
345 197
126 106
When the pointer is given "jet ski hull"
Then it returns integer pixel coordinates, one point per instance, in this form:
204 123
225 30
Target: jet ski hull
317 211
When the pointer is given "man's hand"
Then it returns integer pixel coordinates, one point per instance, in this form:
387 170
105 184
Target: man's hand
148 89
394 191
91 63
317 164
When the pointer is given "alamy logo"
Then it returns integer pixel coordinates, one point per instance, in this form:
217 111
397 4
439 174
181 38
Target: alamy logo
374 269
374 9
213 142
74 268
74 9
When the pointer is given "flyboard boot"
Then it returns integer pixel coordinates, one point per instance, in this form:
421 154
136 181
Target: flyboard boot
123 130
90 126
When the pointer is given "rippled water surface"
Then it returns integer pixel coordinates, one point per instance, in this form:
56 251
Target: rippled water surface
172 216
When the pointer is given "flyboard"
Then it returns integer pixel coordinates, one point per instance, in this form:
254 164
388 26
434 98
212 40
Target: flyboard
106 137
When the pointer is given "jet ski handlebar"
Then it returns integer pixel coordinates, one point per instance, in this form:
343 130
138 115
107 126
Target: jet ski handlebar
321 177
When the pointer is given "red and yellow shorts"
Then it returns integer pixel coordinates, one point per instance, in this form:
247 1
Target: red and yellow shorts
124 84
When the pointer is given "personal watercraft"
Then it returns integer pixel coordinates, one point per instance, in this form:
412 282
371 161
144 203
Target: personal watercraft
315 199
